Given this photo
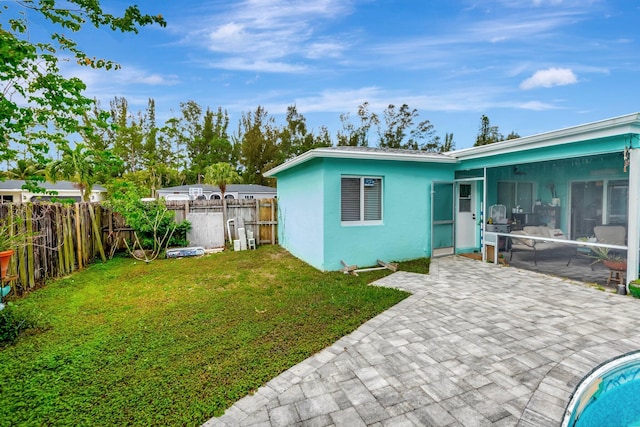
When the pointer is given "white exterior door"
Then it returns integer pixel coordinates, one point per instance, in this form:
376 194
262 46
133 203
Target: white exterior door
466 216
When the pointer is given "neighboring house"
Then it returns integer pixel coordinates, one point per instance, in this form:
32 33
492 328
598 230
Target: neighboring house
210 192
11 192
363 204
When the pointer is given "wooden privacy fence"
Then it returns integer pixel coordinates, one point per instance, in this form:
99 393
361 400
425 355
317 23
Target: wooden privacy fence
62 238
258 215
58 239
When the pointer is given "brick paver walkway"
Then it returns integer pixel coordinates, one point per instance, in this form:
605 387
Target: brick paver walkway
476 344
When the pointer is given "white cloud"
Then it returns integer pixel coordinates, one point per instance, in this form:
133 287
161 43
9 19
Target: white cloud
542 2
127 75
252 33
549 78
264 66
537 106
229 36
323 50
452 100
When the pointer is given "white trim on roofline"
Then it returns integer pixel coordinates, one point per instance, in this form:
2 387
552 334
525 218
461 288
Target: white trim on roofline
626 124
616 126
336 153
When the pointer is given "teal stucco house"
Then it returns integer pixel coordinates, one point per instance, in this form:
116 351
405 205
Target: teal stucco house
361 204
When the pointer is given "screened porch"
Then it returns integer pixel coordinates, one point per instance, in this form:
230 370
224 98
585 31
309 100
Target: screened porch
559 216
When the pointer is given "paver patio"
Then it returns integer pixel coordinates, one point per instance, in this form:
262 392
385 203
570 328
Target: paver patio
476 344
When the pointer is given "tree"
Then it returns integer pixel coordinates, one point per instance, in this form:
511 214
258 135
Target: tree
221 174
157 160
513 135
295 139
220 149
154 226
401 132
82 166
448 143
26 169
128 134
172 137
258 139
98 128
488 134
38 105
353 136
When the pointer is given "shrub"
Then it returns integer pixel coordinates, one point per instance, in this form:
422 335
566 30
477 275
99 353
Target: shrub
634 288
153 224
12 323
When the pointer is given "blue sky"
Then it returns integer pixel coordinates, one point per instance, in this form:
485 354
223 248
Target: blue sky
530 65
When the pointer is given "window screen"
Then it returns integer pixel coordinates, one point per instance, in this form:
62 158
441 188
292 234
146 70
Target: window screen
372 199
350 199
361 199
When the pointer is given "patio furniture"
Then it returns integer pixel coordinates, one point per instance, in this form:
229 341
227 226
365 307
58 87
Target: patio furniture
617 277
535 245
584 251
611 234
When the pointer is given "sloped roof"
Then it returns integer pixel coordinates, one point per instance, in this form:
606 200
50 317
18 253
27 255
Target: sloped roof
16 184
621 125
233 188
363 153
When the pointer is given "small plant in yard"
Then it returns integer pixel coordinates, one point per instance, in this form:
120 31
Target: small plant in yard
154 226
634 288
178 343
12 323
13 236
607 256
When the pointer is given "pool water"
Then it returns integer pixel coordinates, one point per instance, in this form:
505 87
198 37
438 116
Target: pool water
618 407
609 396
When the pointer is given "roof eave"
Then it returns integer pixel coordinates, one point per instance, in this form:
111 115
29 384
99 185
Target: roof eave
357 155
629 123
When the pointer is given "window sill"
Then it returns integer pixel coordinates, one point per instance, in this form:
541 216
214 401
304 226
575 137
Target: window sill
360 223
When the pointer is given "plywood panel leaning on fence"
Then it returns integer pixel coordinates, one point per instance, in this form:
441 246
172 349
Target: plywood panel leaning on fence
258 215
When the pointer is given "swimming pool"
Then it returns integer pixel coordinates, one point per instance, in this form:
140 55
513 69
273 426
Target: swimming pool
608 396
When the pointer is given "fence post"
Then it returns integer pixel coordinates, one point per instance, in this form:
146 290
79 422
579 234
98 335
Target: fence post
69 241
273 227
60 236
224 218
96 232
22 259
78 237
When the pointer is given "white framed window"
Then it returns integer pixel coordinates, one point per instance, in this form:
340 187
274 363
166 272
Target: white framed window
516 193
248 196
194 192
361 200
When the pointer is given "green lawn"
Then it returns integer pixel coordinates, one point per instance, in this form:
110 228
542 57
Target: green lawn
175 342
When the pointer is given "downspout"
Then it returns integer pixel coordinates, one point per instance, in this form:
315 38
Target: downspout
633 239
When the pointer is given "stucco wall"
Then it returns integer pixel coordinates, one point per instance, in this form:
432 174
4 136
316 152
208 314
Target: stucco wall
300 212
405 232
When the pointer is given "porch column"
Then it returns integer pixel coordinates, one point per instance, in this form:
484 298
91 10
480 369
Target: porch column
633 239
